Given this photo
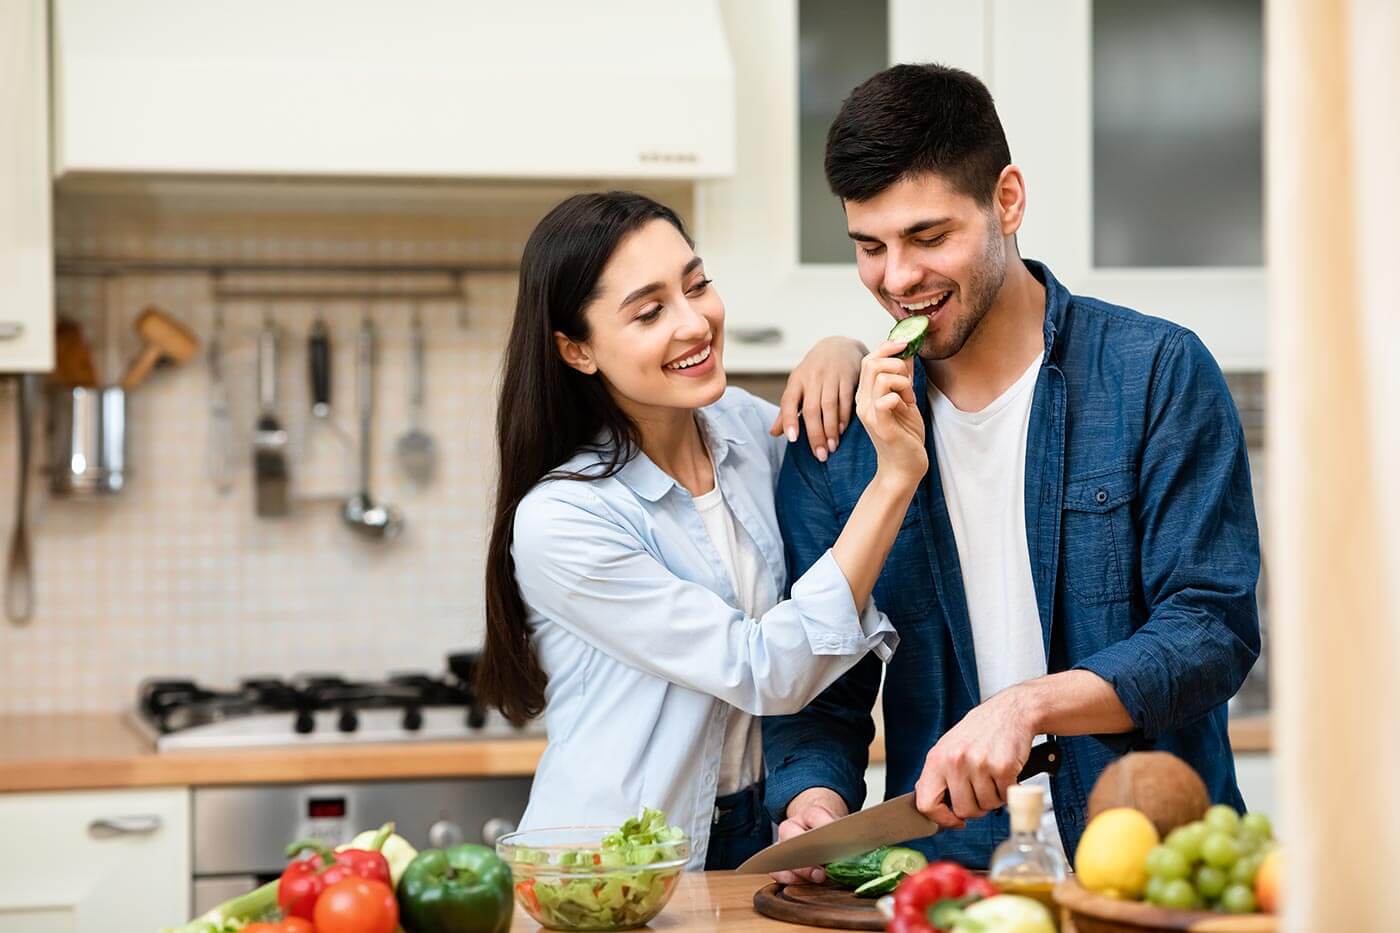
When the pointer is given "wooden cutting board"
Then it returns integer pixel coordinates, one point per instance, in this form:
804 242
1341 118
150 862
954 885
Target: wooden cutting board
818 905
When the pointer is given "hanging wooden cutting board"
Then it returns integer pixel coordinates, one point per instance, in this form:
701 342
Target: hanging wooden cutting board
818 905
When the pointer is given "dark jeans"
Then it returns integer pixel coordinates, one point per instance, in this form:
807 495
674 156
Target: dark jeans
740 829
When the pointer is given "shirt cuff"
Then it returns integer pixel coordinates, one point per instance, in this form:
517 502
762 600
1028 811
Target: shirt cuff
1136 675
823 600
791 777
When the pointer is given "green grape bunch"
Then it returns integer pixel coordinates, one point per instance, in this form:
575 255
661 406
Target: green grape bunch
1210 864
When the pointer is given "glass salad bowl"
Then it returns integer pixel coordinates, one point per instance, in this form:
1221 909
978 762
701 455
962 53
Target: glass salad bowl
592 877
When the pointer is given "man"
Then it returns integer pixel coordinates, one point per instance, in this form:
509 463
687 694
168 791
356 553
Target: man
1082 557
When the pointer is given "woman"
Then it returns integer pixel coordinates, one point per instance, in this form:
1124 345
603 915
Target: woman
635 571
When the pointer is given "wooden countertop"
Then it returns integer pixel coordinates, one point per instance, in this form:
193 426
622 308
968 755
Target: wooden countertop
98 750
703 901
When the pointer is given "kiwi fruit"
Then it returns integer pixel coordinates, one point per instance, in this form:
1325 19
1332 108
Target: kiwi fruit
1159 784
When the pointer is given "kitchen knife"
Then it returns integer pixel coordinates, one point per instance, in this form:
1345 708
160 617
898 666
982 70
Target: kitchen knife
894 821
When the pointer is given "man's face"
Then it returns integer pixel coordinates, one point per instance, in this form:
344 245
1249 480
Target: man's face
922 247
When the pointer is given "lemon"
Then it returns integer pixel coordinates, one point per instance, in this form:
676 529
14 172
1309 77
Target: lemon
1112 854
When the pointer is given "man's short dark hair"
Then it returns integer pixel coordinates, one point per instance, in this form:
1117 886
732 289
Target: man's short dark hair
911 119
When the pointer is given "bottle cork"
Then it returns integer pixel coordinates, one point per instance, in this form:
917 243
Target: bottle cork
1026 804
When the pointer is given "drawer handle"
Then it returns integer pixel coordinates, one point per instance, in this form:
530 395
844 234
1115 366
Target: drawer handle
112 827
757 335
11 330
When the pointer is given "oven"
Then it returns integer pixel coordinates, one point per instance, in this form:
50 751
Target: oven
240 833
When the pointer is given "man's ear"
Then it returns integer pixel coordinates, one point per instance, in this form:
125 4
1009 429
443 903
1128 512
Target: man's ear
574 354
1009 200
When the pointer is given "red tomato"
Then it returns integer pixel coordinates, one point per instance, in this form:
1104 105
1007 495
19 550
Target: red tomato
357 905
263 928
526 891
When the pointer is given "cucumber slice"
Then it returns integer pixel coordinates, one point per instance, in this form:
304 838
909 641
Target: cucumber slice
902 859
911 330
881 885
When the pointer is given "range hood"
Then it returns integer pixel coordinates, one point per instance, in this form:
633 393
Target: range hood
519 89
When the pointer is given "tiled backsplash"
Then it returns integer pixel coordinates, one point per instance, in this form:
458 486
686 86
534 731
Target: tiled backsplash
169 578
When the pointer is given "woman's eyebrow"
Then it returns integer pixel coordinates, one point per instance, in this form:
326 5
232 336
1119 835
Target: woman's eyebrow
637 294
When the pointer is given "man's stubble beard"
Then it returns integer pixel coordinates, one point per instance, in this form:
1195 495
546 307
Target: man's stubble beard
982 287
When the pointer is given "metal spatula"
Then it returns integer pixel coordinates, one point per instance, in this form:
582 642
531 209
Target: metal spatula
417 450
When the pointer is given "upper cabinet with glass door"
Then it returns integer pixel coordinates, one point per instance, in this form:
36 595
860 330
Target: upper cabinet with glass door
1137 125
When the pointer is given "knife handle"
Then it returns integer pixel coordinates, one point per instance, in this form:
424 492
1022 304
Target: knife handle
1043 759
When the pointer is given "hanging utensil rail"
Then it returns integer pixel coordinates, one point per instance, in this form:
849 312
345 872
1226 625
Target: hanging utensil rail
457 272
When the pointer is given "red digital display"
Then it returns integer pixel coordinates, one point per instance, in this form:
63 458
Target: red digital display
325 808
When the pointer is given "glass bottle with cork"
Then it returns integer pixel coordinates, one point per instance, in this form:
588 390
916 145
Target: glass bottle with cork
1026 863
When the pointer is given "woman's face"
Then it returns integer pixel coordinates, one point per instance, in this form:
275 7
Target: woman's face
656 326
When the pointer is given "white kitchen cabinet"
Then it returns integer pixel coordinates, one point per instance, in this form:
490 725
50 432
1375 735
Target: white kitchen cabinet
95 862
772 234
26 234
420 89
1145 181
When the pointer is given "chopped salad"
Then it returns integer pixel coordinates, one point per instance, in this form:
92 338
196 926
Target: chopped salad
629 877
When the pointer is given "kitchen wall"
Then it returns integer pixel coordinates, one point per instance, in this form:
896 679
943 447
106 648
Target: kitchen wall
172 579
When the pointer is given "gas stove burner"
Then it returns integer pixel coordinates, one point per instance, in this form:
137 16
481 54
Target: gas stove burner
319 707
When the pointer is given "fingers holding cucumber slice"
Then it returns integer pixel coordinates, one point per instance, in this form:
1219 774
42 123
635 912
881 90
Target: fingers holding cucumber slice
910 332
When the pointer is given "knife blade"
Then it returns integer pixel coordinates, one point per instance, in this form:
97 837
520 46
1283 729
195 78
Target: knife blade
894 821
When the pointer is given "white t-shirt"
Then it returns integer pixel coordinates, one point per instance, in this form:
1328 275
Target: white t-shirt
741 761
982 464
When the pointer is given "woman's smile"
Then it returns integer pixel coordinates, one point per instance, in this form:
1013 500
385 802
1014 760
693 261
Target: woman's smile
694 363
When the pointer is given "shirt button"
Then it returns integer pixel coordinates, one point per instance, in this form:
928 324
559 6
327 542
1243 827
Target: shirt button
1101 496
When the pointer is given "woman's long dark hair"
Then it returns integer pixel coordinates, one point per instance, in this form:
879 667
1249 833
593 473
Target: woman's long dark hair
548 411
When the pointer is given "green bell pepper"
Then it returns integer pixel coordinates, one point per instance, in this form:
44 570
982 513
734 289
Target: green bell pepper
464 889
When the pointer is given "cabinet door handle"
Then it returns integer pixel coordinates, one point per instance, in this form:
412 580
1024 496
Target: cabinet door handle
757 335
114 826
11 330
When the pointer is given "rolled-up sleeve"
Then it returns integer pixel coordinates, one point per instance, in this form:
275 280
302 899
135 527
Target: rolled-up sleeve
1199 555
581 568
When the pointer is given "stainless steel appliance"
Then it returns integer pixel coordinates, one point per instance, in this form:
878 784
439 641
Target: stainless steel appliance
319 709
240 834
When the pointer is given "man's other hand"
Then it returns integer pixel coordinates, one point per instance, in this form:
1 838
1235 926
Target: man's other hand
815 806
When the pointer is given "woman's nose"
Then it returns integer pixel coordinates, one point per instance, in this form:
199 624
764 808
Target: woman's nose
691 324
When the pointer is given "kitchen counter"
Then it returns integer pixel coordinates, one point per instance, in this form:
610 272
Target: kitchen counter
703 901
98 750
75 751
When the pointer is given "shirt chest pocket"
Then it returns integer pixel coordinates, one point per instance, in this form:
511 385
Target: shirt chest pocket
1096 544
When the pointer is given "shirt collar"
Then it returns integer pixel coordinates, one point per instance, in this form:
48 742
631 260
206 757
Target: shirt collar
649 481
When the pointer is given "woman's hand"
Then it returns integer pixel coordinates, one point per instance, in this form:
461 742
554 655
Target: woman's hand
886 405
821 388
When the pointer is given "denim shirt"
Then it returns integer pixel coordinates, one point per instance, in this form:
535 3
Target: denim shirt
1144 552
631 615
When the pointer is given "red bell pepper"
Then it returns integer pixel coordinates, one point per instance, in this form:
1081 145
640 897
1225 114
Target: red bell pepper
304 879
935 890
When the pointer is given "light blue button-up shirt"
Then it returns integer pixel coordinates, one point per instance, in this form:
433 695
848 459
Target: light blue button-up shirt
632 617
